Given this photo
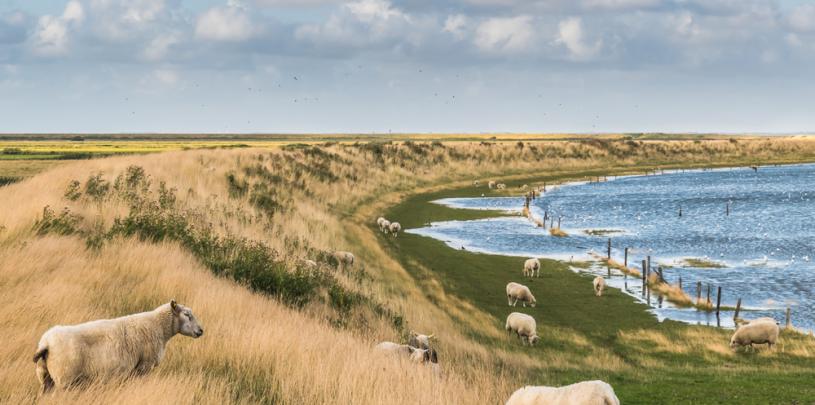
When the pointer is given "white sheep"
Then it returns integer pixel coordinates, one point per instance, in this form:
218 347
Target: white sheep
757 331
414 354
420 341
385 226
130 345
491 184
599 285
344 259
519 292
476 183
532 268
524 326
501 186
582 393
395 227
379 221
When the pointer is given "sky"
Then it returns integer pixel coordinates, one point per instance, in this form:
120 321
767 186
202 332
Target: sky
363 66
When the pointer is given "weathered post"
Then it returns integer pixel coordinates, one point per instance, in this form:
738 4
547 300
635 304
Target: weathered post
609 248
718 300
680 283
544 186
644 269
698 292
728 208
738 309
680 212
552 222
789 321
625 263
709 303
558 221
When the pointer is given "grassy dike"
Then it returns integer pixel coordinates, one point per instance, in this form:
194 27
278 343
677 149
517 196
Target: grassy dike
575 325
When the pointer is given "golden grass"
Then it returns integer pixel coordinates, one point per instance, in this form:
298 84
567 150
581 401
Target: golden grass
558 232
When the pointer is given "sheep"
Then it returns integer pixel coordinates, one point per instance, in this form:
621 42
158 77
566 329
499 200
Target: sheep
524 326
757 331
491 184
476 183
395 228
343 259
420 341
501 186
415 355
129 345
385 226
532 268
519 292
379 221
584 393
599 285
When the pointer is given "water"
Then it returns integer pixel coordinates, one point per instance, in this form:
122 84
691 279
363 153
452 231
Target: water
766 244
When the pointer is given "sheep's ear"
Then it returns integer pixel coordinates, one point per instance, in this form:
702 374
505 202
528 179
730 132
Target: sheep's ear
174 306
411 349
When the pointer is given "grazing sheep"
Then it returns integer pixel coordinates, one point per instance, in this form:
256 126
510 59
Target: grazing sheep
519 292
501 186
420 341
599 285
344 259
491 184
524 326
415 355
130 345
379 221
385 226
532 267
582 393
762 319
757 331
476 183
395 228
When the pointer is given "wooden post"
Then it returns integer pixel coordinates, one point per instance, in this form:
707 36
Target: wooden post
708 295
718 300
680 212
609 248
738 309
698 292
649 265
680 283
644 269
558 221
789 321
728 208
552 222
544 186
625 263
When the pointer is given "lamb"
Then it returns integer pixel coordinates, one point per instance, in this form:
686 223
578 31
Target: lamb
524 326
420 341
599 285
379 221
415 355
395 228
757 331
519 292
584 393
491 184
385 226
501 186
98 350
532 267
343 259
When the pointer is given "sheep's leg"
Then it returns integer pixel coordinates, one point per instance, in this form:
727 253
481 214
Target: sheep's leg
44 377
514 303
509 300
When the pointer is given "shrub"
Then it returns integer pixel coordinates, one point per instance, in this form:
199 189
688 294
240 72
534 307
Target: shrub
97 187
62 224
73 192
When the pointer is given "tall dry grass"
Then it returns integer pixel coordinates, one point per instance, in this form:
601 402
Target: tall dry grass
298 201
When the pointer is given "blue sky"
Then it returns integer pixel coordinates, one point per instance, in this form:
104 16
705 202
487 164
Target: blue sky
407 65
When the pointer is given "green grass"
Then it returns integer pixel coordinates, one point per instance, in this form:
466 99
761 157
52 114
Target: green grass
566 303
701 263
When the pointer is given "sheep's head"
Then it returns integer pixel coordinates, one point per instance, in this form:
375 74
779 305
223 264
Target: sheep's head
184 321
534 339
419 355
734 342
532 301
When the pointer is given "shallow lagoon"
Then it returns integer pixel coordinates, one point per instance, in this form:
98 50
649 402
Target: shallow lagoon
766 245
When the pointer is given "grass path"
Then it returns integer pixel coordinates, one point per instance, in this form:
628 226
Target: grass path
612 337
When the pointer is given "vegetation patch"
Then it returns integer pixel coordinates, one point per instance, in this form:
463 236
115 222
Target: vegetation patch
701 263
601 232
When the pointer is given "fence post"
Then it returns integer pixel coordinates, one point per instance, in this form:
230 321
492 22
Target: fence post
609 248
738 309
718 300
625 263
709 303
644 269
698 292
789 320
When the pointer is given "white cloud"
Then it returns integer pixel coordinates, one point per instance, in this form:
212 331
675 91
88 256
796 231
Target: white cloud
455 25
166 76
229 24
570 34
802 18
619 4
362 23
513 34
159 46
52 35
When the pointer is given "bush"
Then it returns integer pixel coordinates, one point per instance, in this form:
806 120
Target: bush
62 224
73 191
96 187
